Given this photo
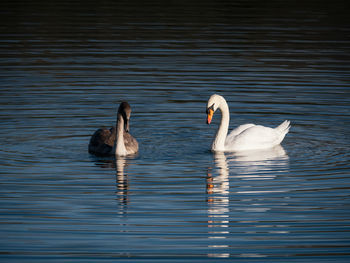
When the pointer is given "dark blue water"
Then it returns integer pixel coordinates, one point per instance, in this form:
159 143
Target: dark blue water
64 69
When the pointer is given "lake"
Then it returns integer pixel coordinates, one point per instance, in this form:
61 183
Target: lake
64 69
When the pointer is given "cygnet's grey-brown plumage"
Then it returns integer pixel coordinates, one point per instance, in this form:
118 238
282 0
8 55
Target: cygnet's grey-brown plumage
116 140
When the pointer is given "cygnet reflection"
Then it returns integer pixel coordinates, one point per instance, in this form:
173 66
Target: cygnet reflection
122 184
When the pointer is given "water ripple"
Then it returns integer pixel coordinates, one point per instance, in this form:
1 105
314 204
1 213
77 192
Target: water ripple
66 67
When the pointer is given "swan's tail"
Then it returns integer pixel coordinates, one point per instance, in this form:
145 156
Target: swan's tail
283 127
282 130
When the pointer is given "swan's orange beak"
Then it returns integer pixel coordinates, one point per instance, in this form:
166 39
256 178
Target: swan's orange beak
209 115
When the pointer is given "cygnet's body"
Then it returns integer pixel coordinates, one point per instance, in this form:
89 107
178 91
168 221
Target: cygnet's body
116 140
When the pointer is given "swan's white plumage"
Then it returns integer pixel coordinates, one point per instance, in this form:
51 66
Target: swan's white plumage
244 137
254 137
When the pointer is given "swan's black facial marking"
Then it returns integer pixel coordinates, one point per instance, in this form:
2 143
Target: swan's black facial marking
210 108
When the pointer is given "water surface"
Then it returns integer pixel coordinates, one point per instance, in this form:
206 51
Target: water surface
65 68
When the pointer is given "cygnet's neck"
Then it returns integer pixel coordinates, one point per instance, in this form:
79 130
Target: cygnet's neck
219 141
120 149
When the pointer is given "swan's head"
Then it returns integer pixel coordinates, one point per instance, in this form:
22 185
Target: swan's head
212 105
124 111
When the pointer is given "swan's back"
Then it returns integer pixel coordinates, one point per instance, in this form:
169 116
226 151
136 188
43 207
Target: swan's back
250 137
102 141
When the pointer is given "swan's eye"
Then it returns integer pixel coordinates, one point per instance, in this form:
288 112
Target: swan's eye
210 108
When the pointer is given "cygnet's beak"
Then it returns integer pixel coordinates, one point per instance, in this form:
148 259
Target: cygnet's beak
210 113
126 125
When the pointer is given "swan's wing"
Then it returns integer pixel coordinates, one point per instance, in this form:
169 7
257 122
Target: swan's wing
102 142
130 143
254 137
231 136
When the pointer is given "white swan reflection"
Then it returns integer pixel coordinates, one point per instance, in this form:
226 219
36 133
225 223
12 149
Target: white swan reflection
259 164
243 165
218 205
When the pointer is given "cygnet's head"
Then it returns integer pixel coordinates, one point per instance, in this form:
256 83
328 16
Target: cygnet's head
125 111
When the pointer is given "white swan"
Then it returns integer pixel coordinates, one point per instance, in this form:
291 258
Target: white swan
244 137
116 140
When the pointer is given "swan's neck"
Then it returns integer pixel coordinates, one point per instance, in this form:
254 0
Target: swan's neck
120 149
219 141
